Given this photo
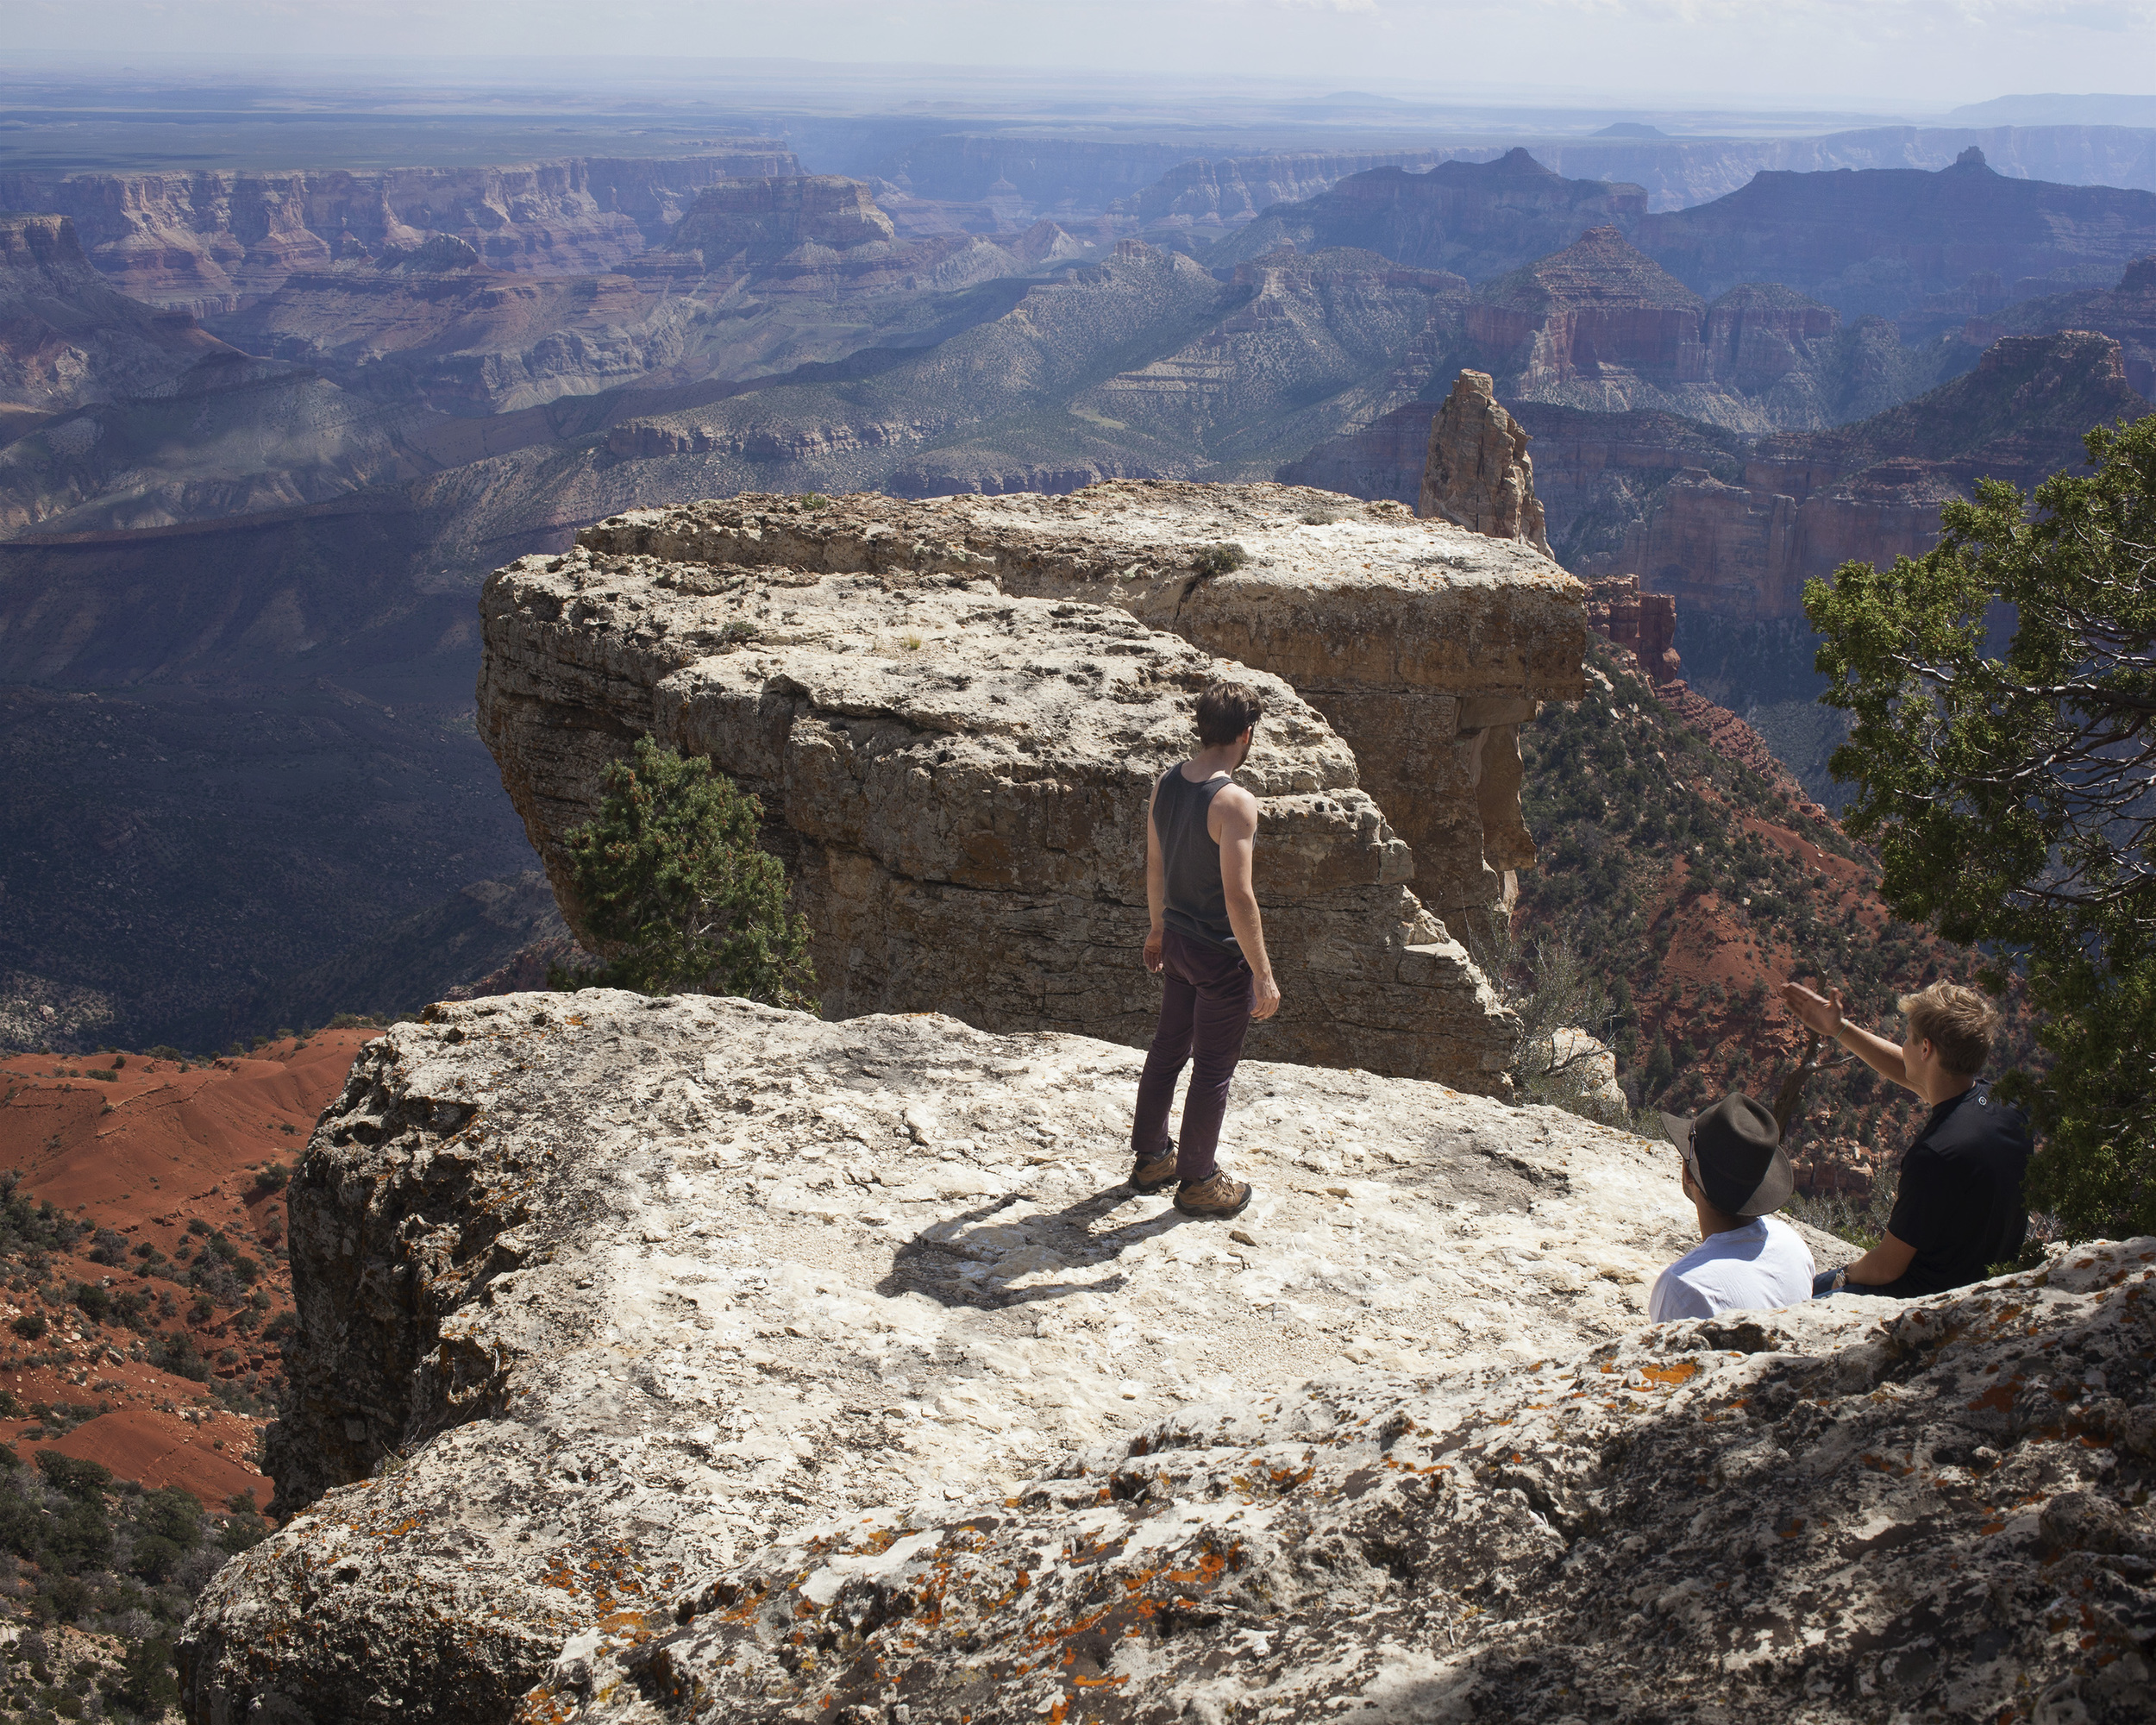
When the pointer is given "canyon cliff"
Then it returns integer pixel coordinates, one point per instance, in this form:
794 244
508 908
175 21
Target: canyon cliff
1599 326
965 831
1807 502
2126 313
206 241
759 276
653 1350
68 337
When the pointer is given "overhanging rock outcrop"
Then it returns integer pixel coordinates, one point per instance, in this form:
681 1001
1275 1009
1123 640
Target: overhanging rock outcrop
957 780
686 1358
954 709
1425 645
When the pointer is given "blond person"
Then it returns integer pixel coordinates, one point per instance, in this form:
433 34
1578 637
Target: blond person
1959 1208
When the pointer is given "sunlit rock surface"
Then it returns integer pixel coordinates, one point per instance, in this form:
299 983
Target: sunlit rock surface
600 1296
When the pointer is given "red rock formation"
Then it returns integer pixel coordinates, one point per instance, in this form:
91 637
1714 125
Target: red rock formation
1643 624
1760 332
1478 473
2126 313
1596 304
1810 501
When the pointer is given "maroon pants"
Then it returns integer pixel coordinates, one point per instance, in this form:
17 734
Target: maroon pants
1205 1009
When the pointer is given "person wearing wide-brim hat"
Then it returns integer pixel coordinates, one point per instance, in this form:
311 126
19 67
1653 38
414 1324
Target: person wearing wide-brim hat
1736 1173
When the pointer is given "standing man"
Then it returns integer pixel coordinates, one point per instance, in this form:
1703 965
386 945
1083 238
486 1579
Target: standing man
1958 1210
1207 945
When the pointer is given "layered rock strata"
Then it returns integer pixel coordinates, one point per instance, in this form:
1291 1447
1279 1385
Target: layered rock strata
1424 646
957 779
1643 624
68 337
599 1296
1742 547
1477 473
204 241
2126 313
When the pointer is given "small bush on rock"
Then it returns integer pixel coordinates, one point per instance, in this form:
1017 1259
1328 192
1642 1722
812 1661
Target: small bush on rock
676 889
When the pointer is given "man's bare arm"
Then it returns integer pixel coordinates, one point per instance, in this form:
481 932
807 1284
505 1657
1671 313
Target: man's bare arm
1234 819
1886 1262
1822 1012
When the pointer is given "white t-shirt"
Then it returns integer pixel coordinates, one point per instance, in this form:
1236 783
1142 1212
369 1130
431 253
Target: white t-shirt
1760 1267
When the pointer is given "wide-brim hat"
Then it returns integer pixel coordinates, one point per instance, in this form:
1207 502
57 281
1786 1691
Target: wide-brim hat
1734 1151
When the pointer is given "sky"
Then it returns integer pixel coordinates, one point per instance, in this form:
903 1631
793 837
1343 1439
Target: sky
1882 55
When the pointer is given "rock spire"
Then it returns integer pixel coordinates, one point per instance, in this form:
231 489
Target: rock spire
1478 473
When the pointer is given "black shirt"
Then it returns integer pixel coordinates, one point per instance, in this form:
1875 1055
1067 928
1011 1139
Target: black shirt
1197 897
1960 1199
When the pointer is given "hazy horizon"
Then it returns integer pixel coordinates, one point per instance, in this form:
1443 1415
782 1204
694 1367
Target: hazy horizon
1916 58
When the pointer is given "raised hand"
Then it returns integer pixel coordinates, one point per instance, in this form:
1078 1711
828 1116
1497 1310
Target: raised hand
1821 1012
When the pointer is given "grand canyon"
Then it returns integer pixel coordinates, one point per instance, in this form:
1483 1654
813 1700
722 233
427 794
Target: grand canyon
399 1335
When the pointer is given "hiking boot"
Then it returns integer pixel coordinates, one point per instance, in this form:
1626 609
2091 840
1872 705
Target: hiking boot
1149 1176
1216 1199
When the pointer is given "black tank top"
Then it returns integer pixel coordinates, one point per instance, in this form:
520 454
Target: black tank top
1197 902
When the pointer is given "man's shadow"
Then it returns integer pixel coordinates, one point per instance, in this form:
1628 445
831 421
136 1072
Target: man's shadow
933 1262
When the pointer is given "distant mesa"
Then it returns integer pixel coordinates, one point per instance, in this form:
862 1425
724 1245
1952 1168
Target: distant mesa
754 220
1629 128
1879 240
2057 110
1478 218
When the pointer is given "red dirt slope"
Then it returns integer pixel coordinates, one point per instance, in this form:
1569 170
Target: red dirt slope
165 1157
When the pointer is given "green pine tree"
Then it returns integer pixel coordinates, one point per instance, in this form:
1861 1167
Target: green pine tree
2013 796
676 891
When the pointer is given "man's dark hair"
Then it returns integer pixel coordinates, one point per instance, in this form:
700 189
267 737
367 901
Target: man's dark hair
1227 710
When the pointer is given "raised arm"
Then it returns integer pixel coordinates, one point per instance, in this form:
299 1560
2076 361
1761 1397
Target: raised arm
1822 1012
1234 820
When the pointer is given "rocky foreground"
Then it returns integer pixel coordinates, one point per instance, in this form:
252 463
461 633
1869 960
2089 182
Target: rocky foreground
688 1358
